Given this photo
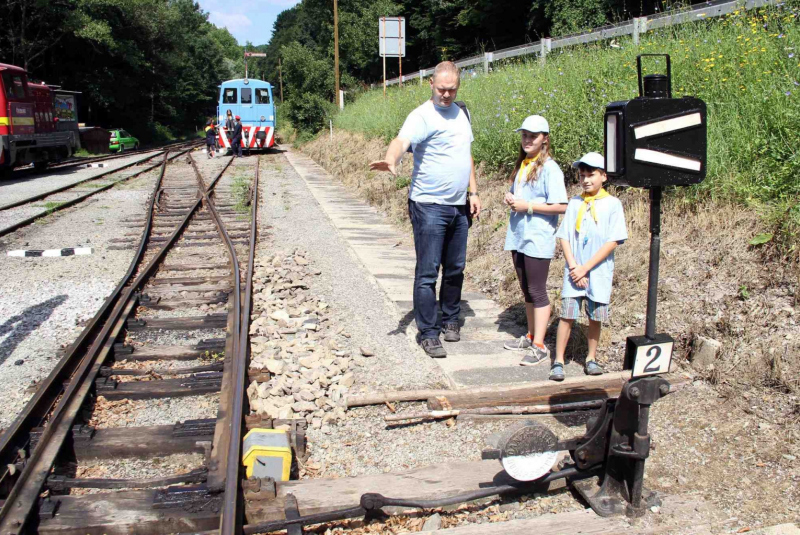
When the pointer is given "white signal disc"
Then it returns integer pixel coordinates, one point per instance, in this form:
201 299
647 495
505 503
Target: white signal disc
530 467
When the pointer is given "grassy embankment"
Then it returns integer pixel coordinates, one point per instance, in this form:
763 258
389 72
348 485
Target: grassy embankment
714 282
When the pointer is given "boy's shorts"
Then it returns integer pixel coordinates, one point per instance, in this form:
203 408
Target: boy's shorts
571 309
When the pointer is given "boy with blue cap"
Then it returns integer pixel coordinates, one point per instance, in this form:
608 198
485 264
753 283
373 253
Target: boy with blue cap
593 226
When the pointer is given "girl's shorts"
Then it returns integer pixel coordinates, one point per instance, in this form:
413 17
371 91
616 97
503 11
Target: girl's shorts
571 309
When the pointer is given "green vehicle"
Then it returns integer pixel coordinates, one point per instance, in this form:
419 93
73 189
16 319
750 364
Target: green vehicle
122 141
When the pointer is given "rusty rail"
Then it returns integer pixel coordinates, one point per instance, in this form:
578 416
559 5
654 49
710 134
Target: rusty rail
81 369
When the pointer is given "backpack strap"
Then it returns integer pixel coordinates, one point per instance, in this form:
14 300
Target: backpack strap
463 105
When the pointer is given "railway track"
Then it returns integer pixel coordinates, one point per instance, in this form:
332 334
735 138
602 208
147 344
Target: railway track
175 327
78 162
23 212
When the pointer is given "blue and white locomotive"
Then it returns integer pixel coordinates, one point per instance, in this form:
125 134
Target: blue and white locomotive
252 101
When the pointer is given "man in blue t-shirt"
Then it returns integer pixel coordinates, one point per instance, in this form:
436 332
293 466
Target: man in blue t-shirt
442 198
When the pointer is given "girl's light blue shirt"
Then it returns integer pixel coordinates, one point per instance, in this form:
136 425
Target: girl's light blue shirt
535 235
610 226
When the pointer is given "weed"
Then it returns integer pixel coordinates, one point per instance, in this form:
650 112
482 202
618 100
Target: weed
742 65
402 182
744 293
52 206
241 193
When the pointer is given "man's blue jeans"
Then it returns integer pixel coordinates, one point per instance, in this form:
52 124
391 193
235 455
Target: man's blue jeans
440 239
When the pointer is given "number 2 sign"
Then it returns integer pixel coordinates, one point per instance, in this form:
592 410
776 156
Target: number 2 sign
646 356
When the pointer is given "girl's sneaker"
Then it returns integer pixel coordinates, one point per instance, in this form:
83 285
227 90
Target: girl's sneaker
592 368
519 345
535 355
557 372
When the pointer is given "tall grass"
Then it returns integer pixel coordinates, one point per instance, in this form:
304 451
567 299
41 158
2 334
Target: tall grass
745 66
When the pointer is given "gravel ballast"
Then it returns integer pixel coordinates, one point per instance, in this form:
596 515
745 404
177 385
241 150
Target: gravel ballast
44 302
17 189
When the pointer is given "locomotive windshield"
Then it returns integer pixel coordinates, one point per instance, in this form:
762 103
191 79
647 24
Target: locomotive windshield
229 95
247 95
262 96
15 88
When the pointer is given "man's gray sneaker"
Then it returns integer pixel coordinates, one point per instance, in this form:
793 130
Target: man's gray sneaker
452 332
535 355
519 345
433 347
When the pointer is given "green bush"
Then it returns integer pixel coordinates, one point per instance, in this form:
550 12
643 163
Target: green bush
309 111
742 65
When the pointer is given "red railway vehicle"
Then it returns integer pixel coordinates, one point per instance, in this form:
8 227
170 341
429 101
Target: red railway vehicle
32 128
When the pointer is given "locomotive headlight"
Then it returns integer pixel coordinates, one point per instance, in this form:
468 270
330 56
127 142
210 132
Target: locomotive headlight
263 118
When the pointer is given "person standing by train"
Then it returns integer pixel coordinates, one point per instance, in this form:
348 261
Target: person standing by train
442 198
211 136
236 142
229 122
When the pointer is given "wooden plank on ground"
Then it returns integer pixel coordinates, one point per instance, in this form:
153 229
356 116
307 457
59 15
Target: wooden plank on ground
170 353
142 442
538 392
192 289
685 514
209 321
123 513
162 388
438 481
189 302
192 267
188 280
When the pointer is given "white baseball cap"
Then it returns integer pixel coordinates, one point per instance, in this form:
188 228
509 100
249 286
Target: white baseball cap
592 159
535 124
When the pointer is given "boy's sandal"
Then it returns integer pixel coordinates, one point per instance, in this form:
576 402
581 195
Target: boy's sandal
592 368
557 372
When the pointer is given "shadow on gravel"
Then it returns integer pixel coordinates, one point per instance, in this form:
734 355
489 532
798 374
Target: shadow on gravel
17 328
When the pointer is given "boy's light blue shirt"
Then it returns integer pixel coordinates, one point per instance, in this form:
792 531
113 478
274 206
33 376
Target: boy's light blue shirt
441 139
610 227
535 235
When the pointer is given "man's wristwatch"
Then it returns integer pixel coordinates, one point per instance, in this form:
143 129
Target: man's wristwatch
473 193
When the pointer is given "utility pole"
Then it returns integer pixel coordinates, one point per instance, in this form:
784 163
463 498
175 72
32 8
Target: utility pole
280 78
336 50
383 22
400 48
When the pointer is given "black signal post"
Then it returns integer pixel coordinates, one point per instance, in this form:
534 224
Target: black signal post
652 141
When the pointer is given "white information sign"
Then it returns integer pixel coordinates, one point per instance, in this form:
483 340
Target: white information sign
652 359
392 37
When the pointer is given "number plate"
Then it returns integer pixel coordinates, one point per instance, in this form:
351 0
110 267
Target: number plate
649 357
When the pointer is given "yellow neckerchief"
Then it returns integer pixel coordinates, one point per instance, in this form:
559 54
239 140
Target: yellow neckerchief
588 200
526 163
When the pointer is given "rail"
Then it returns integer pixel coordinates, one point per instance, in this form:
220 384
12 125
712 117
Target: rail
634 27
27 221
80 367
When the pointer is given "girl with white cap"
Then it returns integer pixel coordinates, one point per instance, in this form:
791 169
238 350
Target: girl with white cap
536 198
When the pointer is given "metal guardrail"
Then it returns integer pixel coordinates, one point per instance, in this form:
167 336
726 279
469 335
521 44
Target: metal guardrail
634 27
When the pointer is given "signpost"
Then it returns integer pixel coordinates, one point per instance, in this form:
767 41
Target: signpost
392 43
251 55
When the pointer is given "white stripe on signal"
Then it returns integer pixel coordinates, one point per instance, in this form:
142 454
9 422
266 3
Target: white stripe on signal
670 160
668 125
